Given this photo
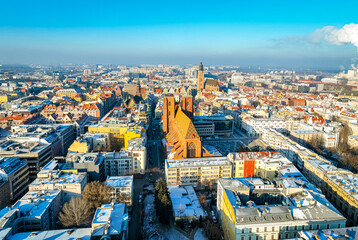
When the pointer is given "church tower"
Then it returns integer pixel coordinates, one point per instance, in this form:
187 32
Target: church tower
187 106
200 82
168 112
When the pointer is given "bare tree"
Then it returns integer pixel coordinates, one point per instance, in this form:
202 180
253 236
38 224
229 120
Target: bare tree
75 213
211 185
96 194
123 198
202 200
343 139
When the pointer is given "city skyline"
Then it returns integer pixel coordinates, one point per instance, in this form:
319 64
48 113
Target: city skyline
259 34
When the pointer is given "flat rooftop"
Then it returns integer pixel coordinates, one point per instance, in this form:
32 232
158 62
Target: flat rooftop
185 202
197 162
120 181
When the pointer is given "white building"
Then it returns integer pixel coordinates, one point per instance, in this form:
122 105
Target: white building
185 203
255 126
122 188
71 184
112 220
138 151
36 211
259 209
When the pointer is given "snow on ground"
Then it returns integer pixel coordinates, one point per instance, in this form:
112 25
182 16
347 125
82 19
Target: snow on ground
200 235
149 188
152 229
173 234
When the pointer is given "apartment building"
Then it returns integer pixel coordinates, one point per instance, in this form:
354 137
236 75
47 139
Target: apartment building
122 188
37 154
197 171
36 211
59 136
111 219
71 183
259 164
138 151
16 172
5 199
337 184
117 163
307 137
185 203
255 208
90 163
119 132
255 126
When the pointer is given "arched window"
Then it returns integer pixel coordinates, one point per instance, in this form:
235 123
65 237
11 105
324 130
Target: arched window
191 150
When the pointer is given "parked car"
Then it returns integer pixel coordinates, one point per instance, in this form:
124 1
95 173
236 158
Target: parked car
140 198
213 216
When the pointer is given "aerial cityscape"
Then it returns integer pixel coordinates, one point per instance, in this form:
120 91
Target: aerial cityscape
178 120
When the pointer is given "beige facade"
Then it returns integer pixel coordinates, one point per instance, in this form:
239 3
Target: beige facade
337 184
71 183
197 171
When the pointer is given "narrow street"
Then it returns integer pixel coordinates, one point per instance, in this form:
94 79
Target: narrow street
155 159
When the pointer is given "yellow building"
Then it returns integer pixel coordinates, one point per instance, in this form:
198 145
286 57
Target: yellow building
119 134
79 146
7 97
132 133
78 99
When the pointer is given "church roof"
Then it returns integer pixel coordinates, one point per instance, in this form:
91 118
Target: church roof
185 125
212 82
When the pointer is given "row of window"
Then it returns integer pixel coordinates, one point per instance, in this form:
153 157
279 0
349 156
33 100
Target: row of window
287 228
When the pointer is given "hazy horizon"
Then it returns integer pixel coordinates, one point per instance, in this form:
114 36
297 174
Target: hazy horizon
305 35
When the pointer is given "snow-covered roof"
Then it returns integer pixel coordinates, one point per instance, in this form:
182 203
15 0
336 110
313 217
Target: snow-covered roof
185 202
119 181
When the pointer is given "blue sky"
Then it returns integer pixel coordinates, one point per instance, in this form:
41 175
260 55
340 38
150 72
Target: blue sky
245 33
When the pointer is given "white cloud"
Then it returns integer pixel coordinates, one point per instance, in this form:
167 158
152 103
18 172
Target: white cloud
348 34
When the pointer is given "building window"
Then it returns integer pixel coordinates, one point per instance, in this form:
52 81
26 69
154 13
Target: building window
191 150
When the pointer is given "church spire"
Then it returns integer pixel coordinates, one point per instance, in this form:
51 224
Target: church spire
201 67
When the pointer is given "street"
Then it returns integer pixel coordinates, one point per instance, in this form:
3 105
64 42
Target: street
155 159
155 155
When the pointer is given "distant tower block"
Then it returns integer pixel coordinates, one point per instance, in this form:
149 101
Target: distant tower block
200 84
168 112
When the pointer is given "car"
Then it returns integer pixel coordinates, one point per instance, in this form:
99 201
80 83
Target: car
213 216
140 198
